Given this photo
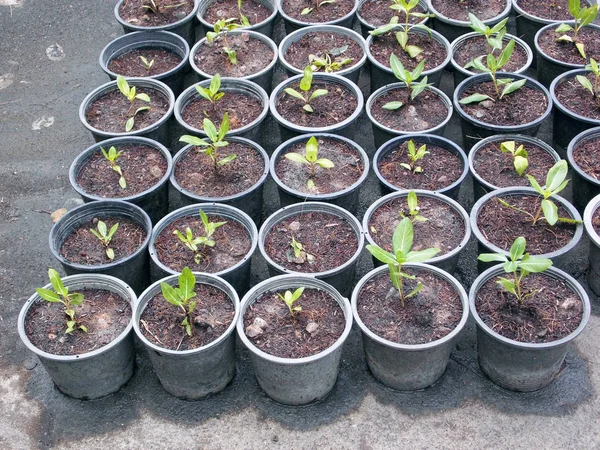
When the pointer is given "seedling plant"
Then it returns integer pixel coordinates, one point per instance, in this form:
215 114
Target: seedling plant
147 64
289 298
583 17
317 4
105 237
194 243
413 208
305 86
410 79
331 61
221 28
182 296
311 158
414 155
519 155
300 255
494 36
212 93
111 156
132 96
586 83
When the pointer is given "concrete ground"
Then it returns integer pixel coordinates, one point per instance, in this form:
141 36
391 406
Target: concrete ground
41 87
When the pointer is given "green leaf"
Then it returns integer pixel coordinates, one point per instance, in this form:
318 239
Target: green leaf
196 141
474 98
392 106
492 257
224 128
226 160
141 109
563 28
204 219
585 83
296 157
416 73
215 84
589 15
512 87
57 283
402 239
187 282
508 285
210 129
110 253
306 11
520 164
402 38
565 38
556 175
506 54
312 149
397 67
510 266
318 93
477 25
297 293
170 294
384 29
294 93
574 7
381 255
306 81
418 88
517 249
143 97
308 108
411 201
49 295
123 85
508 147
413 50
422 255
550 211
415 291
112 231
535 265
129 124
535 185
499 26
324 163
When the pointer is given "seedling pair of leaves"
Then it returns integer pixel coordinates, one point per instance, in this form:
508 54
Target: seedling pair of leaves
318 4
414 155
194 243
111 156
182 296
305 86
586 83
131 95
519 155
413 208
216 141
494 36
212 93
326 62
105 236
222 27
147 64
300 255
409 78
583 17
520 265
61 295
311 158
290 298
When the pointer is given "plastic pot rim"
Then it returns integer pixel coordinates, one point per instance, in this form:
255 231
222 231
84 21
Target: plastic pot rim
466 23
560 106
301 24
558 62
166 27
200 17
521 12
590 210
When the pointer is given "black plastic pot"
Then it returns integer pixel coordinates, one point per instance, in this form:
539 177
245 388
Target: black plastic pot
382 75
593 276
132 269
150 39
480 185
265 27
239 274
183 27
346 198
365 26
585 187
158 131
293 24
250 201
154 200
474 130
382 134
428 139
568 124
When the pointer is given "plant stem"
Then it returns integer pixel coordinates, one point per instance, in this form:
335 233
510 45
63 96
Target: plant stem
493 74
537 215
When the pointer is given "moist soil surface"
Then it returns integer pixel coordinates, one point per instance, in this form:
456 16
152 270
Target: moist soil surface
578 99
134 12
321 44
104 313
242 109
232 243
378 12
227 9
587 157
596 221
566 51
325 13
556 10
440 167
348 168
428 316
434 53
328 242
551 313
497 168
82 247
310 331
141 165
196 173
335 107
111 111
424 112
501 225
459 10
130 64
253 55
519 108
160 322
444 228
477 46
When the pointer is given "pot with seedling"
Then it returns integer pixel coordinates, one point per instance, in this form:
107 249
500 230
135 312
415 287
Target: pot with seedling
187 322
299 14
541 309
80 329
582 155
565 46
295 310
210 170
128 107
254 15
316 103
158 15
132 169
407 345
372 14
591 220
409 107
504 160
322 167
550 223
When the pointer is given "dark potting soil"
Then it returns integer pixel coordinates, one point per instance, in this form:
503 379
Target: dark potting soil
325 13
82 247
566 51
196 172
587 156
434 53
501 225
111 111
160 321
426 111
477 46
557 10
335 107
253 55
321 44
428 316
553 312
573 96
497 168
142 167
459 10
227 9
440 167
348 168
242 108
444 228
596 221
521 107
104 313
130 64
378 12
134 12
232 243
310 331
328 241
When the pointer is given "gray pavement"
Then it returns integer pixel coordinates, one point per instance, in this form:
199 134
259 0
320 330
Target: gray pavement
41 87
